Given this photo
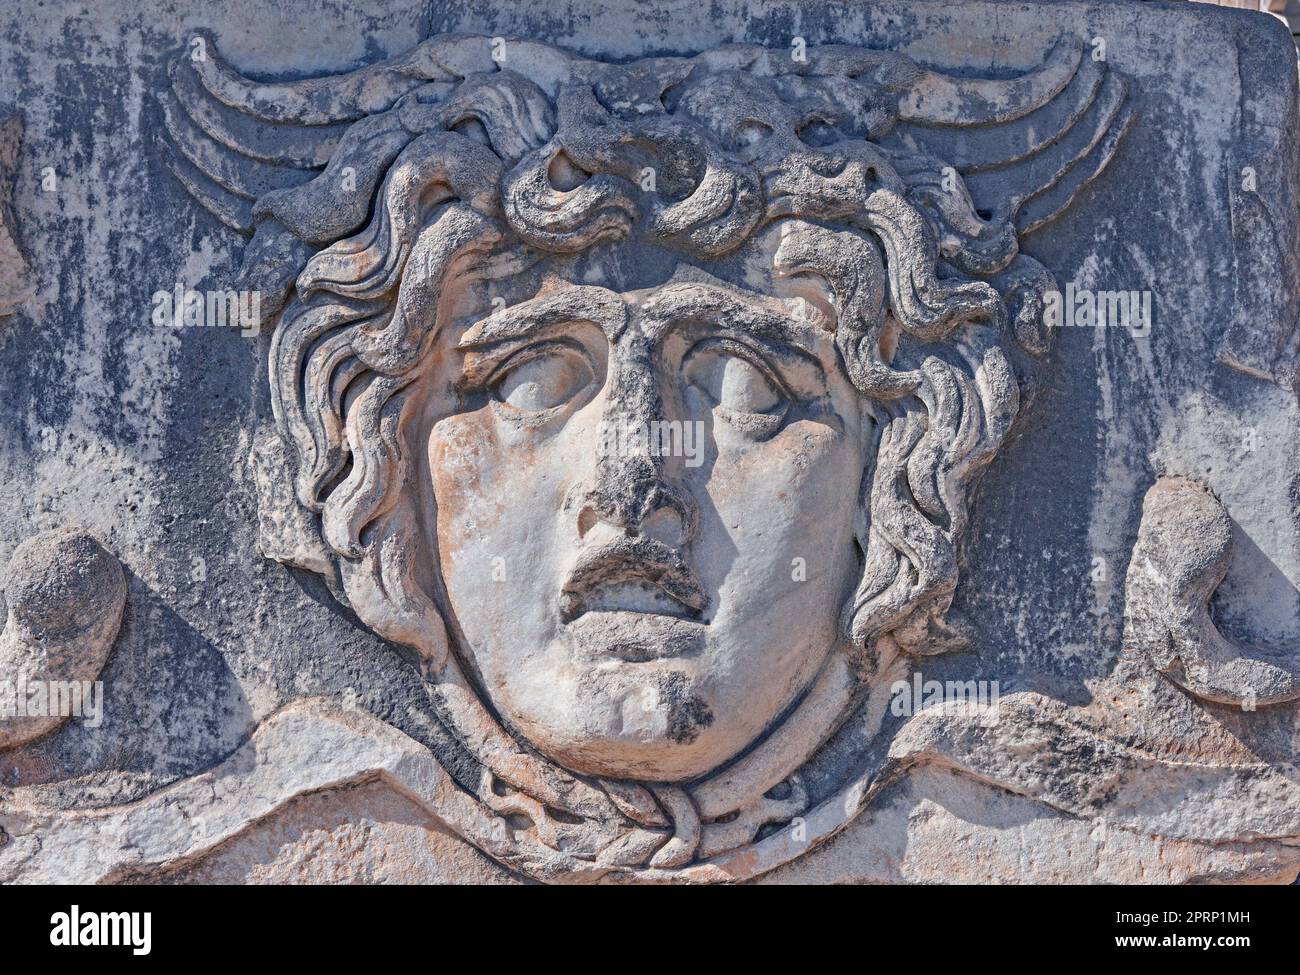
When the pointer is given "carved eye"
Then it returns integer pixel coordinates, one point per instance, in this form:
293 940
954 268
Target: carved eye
735 384
544 380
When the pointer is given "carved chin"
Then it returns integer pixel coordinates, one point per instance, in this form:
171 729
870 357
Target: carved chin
649 721
645 696
623 695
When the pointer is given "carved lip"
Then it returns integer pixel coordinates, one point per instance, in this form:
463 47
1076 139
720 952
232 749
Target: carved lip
635 637
633 574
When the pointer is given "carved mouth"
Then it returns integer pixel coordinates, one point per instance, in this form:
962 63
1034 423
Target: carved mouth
632 575
635 637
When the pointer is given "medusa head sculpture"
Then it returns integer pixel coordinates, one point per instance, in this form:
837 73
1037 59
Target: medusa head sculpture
478 259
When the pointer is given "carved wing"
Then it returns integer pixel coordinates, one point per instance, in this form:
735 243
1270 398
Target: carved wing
242 148
233 140
1025 146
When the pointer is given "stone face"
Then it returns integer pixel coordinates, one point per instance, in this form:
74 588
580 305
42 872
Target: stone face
707 452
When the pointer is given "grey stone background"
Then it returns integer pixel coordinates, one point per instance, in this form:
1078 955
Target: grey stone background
140 434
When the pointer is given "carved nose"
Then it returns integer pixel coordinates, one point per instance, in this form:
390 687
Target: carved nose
659 513
665 524
632 489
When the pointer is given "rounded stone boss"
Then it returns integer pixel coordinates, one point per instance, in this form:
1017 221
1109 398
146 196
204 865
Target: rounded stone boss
645 401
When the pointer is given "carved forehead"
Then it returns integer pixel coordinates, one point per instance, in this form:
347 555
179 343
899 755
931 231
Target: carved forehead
764 266
691 296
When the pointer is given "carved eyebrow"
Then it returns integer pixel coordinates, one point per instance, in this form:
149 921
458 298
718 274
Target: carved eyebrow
528 319
686 304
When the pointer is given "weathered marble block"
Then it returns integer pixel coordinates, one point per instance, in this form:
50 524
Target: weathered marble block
649 443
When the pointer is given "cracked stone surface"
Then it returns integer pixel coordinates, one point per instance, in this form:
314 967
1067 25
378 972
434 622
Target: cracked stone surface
15 276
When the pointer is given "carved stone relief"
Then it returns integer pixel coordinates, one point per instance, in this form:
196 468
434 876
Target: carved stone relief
459 243
622 463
